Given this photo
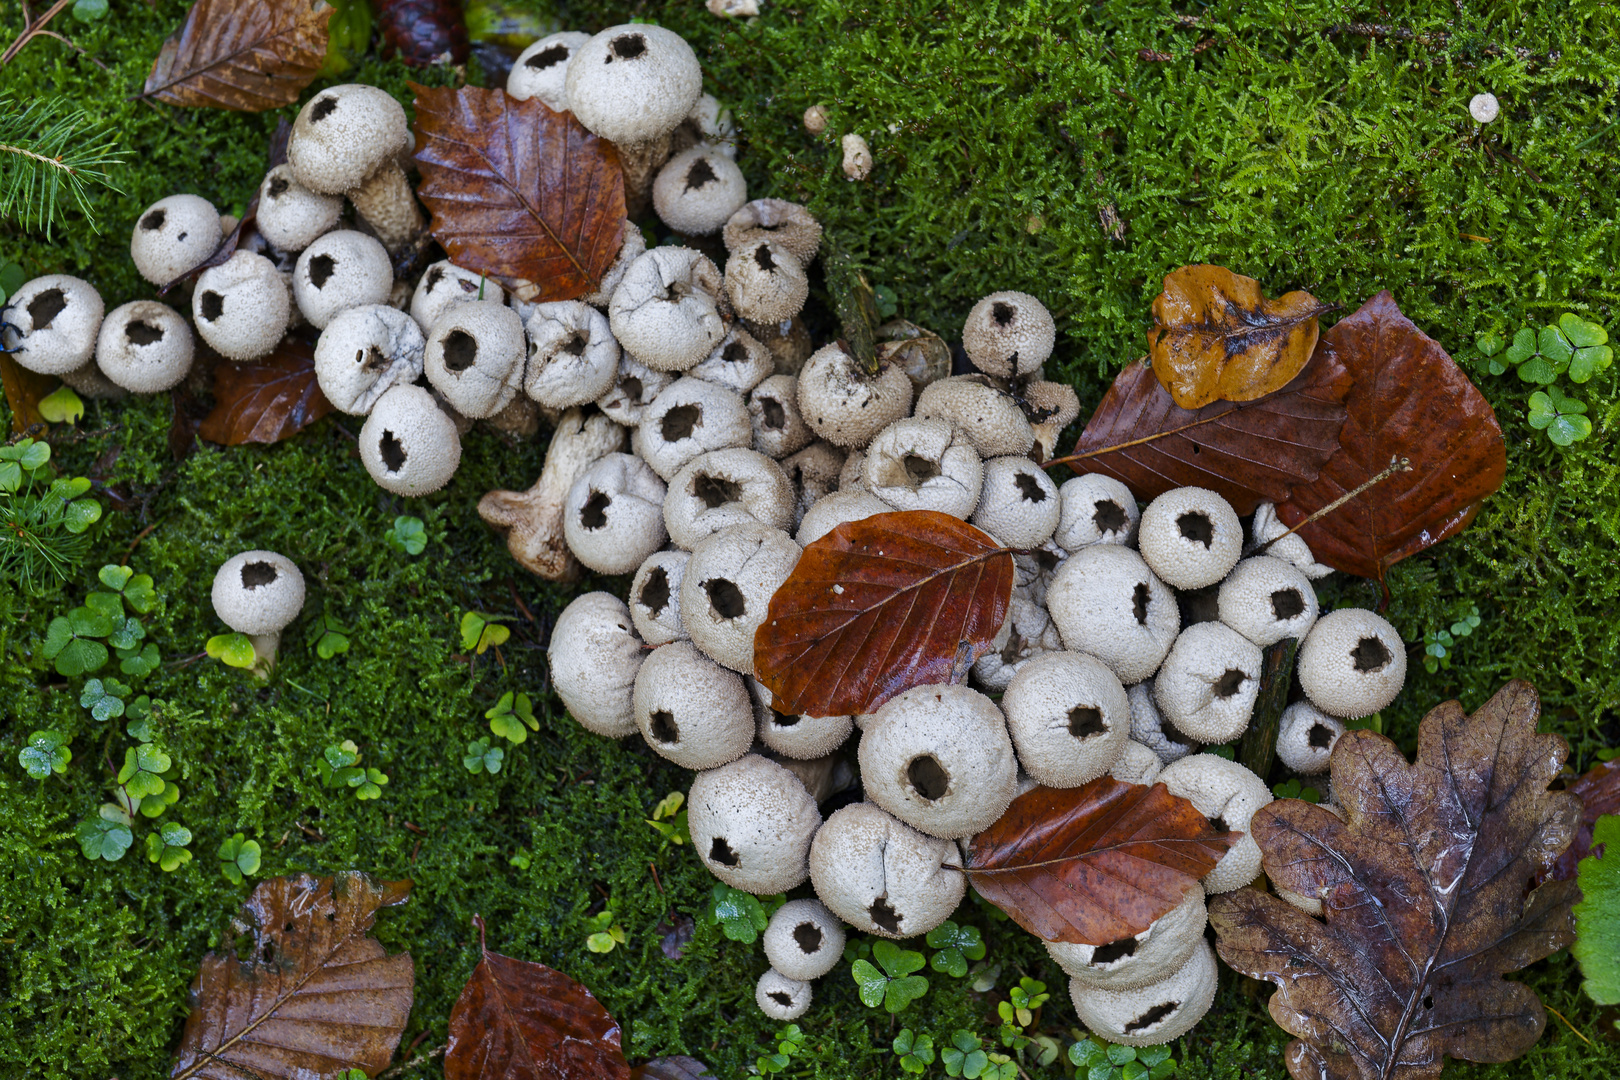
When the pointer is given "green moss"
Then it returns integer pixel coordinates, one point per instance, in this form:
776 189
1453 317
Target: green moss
1009 141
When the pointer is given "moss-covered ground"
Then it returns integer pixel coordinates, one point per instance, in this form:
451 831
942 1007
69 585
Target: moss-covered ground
1077 151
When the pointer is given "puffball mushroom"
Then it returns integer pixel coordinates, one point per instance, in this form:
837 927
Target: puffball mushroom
290 215
51 324
857 157
1097 509
802 738
1051 407
1107 602
918 464
778 996
692 417
443 285
636 387
666 310
813 471
831 511
844 405
595 656
1136 765
258 593
338 271
765 283
1151 729
938 758
614 516
364 352
803 940
541 70
1155 1013
1228 794
241 307
1268 532
1266 600
1305 738
883 877
408 444
723 488
1484 108
786 224
738 363
697 191
631 247
773 412
144 347
172 236
691 710
1130 963
655 597
1352 664
1191 537
728 589
1068 717
751 824
347 141
1019 504
573 359
991 420
474 357
1008 334
1027 634
1208 684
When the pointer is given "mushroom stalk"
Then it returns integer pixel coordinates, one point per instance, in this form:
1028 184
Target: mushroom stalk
386 203
264 653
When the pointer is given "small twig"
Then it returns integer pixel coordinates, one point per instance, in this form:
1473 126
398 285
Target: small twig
1569 1025
135 543
420 1059
30 30
1396 465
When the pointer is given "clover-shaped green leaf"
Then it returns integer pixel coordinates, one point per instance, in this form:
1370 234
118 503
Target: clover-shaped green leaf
89 10
916 1052
740 916
480 632
957 945
481 757
80 514
105 699
152 806
669 819
236 650
606 934
238 857
1560 416
136 589
62 405
371 785
45 753
329 636
126 634
1590 342
1490 345
143 770
509 716
893 987
138 715
408 534
137 663
108 605
115 577
105 836
965 1056
167 846
70 644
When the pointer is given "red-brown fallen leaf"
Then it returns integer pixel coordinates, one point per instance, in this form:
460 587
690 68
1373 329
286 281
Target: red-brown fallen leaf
1599 789
516 1019
1423 893
676 1067
316 995
266 400
1408 400
518 191
24 391
245 55
878 606
1096 863
1248 451
422 32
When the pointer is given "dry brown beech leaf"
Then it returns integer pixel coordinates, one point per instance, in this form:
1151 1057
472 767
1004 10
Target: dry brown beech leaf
1096 863
315 996
1408 400
1599 791
245 55
24 391
1423 889
266 400
1217 338
518 191
878 606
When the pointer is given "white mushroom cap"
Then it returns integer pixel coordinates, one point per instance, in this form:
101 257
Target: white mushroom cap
1008 333
1019 504
1484 108
813 472
766 283
698 190
738 363
614 516
780 997
857 156
1097 509
1352 664
1149 957
831 511
1068 717
804 940
666 309
1191 537
632 247
573 358
773 411
365 351
1051 407
290 215
845 407
939 759
443 285
1209 682
916 464
787 224
172 236
541 70
852 477
691 710
144 346
1305 738
1137 765
636 387
631 84
882 876
1290 547
241 307
1227 794
692 417
1152 1014
751 824
408 444
474 356
54 322
258 592
1152 730
728 588
1267 599
991 419
797 737
340 270
655 597
1107 602
344 134
724 488
595 655
710 122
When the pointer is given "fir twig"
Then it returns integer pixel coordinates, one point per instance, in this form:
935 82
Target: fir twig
48 148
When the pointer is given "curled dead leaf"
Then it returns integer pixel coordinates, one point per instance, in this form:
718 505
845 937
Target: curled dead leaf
244 55
266 400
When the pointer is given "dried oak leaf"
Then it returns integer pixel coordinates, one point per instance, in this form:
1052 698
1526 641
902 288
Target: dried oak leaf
24 391
1599 789
244 55
517 1019
1408 399
1423 889
878 606
1096 863
316 994
1248 451
1216 337
519 191
266 400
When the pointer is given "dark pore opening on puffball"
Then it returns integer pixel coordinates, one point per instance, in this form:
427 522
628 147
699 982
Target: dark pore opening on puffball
626 47
919 469
255 574
323 108
1084 720
762 257
721 852
278 187
1218 823
784 719
1321 737
1114 950
1287 604
1230 682
1195 526
392 452
665 730
320 270
546 58
655 591
726 599
1002 313
593 515
1139 601
460 351
927 777
1152 1016
45 307
154 221
1109 517
715 491
1369 654
884 915
575 345
780 998
211 306
142 333
775 415
679 422
1030 488
808 937
699 174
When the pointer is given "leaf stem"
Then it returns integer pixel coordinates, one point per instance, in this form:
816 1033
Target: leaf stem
1396 465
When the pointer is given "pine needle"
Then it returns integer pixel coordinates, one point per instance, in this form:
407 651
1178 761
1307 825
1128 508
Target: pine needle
47 148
